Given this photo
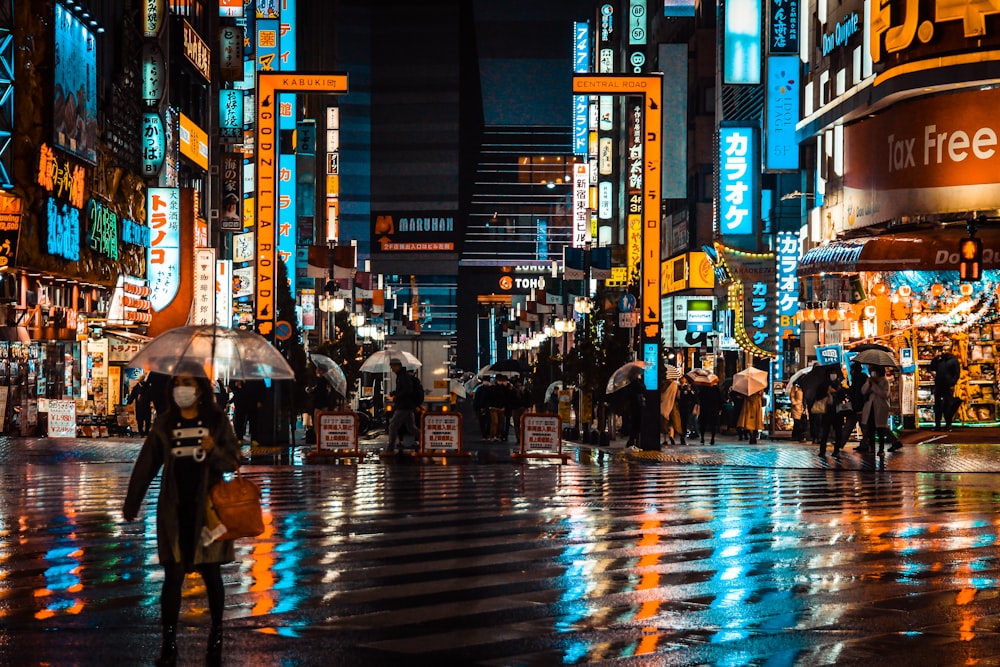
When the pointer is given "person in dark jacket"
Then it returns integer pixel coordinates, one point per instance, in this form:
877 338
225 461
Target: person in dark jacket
403 407
480 403
946 370
194 444
853 418
709 411
141 397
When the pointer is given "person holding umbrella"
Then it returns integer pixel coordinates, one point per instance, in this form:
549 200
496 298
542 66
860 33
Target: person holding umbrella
947 371
194 443
875 415
751 417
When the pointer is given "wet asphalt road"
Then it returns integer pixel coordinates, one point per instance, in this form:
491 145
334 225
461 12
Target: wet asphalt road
697 556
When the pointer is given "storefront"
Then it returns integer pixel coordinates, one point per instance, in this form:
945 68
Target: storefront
903 291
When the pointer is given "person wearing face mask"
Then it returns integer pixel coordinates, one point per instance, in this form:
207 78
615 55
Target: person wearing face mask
194 443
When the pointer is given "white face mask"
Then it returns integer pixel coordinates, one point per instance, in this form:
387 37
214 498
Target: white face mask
185 397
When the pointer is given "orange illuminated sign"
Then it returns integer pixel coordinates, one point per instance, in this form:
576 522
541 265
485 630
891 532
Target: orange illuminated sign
269 84
650 87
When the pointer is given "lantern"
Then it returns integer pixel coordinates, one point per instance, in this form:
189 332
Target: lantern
937 289
880 289
966 289
870 312
904 291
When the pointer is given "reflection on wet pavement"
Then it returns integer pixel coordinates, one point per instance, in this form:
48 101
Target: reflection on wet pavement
537 564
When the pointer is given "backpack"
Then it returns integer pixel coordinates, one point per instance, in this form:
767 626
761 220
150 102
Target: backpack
416 391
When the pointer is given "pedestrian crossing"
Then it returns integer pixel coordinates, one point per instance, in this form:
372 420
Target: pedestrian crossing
541 564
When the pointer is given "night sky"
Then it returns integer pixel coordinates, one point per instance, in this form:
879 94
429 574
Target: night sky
525 57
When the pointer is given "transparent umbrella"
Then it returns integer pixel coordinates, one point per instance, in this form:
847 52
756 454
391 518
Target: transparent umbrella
379 362
625 375
217 352
332 372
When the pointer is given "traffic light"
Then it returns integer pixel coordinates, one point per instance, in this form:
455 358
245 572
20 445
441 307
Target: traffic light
970 259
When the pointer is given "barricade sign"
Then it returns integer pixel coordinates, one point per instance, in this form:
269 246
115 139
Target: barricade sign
441 434
336 434
541 436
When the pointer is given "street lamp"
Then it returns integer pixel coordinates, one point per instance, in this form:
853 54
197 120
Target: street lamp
332 304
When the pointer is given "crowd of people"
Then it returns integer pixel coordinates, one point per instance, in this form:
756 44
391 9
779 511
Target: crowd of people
499 402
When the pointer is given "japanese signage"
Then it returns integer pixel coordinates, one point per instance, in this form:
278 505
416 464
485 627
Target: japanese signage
196 50
163 259
194 142
581 63
912 31
420 232
203 308
581 205
754 294
10 227
738 174
153 12
61 178
541 433
231 182
230 114
782 113
223 294
783 29
102 236
154 74
153 144
336 431
63 237
62 418
231 53
441 432
787 253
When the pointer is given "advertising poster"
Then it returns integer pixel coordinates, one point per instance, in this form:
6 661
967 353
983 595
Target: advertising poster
62 419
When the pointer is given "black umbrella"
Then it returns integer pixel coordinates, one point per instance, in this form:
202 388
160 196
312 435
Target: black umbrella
509 366
815 381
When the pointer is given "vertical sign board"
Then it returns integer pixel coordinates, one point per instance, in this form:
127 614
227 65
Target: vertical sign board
269 84
581 205
441 432
781 113
651 88
739 169
581 63
742 43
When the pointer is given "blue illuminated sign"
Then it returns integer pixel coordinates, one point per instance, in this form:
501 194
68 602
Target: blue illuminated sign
742 42
581 63
782 113
738 175
651 355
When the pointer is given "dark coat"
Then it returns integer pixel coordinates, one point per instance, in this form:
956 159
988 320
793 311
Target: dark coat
947 370
155 453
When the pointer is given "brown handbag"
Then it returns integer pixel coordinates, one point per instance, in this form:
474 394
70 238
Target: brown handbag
237 505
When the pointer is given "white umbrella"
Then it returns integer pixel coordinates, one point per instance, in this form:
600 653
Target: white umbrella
215 352
379 362
795 378
332 372
552 388
457 387
673 372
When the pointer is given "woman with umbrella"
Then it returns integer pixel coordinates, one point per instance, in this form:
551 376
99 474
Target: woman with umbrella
751 417
875 415
194 444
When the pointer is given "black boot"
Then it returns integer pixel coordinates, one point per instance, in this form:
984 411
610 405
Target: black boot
214 654
168 649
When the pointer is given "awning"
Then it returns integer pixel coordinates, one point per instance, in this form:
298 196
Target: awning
127 335
924 250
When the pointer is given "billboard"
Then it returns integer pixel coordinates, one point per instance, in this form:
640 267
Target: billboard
739 173
74 112
781 113
742 42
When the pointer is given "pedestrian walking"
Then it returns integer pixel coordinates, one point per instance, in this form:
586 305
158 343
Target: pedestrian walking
835 392
947 371
799 414
709 408
142 398
670 416
508 401
496 404
194 444
480 404
875 414
635 399
248 401
404 405
752 416
522 403
687 399
321 392
858 377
